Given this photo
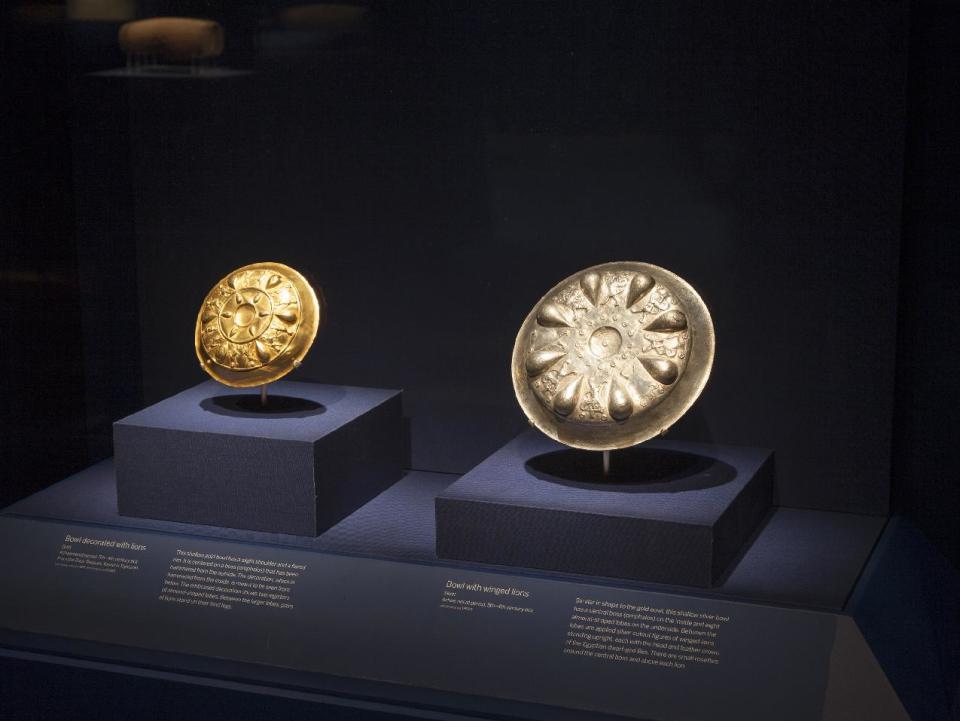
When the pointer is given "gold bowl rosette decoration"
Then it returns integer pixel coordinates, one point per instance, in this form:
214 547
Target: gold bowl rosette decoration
257 324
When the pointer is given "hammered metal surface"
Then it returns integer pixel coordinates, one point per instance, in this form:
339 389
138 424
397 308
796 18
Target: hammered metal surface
257 324
613 355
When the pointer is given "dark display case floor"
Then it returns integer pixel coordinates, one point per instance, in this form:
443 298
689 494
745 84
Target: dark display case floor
798 557
296 463
669 512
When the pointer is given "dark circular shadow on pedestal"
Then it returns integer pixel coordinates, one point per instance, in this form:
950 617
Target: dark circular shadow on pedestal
633 470
249 406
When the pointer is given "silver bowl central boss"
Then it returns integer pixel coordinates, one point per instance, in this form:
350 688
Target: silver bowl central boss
613 355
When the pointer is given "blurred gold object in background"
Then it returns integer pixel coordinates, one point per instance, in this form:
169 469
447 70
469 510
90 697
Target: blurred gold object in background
176 40
101 10
329 16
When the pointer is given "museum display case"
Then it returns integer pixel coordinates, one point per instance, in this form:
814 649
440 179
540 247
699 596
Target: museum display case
548 362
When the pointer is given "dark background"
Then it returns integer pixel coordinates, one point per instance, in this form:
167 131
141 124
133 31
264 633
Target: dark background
439 166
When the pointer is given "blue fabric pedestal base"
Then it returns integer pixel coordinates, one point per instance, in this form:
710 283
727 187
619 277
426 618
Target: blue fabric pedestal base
214 455
669 512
